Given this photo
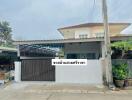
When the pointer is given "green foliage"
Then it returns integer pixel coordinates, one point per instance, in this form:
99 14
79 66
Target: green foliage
120 71
5 34
123 45
61 53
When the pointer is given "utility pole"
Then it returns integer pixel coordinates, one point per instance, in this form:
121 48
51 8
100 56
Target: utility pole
109 76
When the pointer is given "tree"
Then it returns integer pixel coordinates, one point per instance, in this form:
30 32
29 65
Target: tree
124 46
5 34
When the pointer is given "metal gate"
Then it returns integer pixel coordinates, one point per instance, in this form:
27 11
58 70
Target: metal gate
37 70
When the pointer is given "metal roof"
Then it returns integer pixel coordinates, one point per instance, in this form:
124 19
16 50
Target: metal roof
36 50
57 41
8 49
60 42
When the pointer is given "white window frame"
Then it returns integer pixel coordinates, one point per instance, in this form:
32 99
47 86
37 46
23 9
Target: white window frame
83 36
99 35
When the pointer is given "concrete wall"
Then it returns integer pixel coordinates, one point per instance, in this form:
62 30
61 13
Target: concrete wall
91 47
90 74
82 31
17 71
68 34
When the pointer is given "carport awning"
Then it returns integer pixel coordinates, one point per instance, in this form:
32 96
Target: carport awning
36 50
60 42
56 42
50 47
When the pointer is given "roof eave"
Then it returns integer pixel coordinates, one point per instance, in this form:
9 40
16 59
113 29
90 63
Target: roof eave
96 24
62 41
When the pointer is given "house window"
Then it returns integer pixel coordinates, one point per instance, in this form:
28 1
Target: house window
83 36
87 56
72 56
82 56
99 34
91 56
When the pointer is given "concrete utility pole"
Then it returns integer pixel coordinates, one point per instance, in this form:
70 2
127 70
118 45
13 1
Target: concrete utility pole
109 76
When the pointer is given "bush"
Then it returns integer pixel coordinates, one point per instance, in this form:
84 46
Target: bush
120 71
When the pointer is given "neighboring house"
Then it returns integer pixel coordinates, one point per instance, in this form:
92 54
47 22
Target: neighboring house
7 58
83 41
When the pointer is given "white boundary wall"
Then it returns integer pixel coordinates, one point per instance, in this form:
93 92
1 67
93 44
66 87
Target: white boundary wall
90 74
17 71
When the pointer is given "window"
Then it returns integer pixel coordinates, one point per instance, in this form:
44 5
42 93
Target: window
91 56
87 56
71 56
82 56
99 34
83 36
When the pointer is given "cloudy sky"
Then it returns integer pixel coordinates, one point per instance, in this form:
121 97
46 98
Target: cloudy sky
40 19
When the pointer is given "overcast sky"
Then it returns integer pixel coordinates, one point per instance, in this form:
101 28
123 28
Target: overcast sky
40 19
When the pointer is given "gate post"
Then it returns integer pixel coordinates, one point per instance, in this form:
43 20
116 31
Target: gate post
17 71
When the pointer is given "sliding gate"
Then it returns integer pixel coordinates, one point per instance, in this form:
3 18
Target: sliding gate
37 70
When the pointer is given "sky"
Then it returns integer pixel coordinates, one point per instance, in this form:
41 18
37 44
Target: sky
40 19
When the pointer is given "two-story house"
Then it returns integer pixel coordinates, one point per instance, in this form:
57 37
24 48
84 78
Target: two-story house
91 50
84 41
91 30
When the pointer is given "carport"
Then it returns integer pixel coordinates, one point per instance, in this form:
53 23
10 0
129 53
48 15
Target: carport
36 62
35 57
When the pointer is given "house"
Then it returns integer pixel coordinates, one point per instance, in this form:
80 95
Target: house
7 58
84 41
91 30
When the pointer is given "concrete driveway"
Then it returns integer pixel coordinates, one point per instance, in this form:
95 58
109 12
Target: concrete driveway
42 91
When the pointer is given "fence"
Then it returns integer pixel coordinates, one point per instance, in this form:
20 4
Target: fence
128 61
82 74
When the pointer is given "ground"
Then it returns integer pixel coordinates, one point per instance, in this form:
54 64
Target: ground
43 91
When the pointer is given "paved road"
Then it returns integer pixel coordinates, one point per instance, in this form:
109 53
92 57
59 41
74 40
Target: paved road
62 96
35 92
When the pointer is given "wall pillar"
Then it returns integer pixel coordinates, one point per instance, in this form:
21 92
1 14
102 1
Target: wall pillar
18 50
17 71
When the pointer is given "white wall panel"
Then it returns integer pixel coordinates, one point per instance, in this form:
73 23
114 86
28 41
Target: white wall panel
90 74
